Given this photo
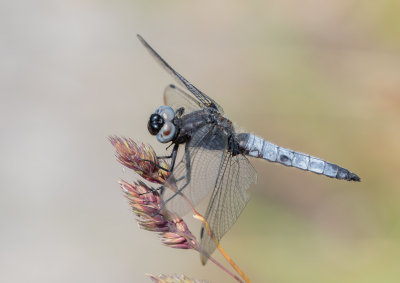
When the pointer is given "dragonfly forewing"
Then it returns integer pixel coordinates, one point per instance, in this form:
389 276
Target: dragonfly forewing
177 98
202 97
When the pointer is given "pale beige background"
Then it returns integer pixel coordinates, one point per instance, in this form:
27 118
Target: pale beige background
321 77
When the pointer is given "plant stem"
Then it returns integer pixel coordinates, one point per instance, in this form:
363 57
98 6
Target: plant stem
196 247
211 234
201 218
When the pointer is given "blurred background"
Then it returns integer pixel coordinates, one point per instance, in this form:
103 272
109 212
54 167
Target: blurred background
317 77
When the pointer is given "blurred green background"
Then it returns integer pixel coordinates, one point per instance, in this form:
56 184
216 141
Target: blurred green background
317 77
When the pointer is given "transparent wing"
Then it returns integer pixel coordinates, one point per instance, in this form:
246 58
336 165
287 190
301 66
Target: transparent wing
227 201
177 98
198 171
203 98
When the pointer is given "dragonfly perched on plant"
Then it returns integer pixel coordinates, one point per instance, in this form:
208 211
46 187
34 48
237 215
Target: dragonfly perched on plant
215 157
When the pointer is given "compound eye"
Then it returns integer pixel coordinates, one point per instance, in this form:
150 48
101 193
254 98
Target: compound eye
155 124
166 112
167 133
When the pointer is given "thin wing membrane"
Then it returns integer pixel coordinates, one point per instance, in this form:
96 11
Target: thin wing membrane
227 201
203 98
177 98
198 171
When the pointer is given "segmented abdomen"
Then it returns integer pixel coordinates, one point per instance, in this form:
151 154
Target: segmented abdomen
257 147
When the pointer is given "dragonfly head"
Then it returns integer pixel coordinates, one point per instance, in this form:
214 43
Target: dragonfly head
160 124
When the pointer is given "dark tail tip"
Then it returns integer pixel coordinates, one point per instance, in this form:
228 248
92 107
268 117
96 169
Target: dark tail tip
353 177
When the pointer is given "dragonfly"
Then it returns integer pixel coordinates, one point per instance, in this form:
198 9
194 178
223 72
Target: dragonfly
215 157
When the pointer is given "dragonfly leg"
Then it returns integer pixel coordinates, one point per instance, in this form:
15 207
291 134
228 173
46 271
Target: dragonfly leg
164 157
174 195
173 156
153 190
158 166
187 177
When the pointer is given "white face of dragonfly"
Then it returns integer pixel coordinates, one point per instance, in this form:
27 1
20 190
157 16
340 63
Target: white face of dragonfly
160 124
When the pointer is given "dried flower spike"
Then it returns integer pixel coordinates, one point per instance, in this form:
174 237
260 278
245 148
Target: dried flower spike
146 204
129 153
174 279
